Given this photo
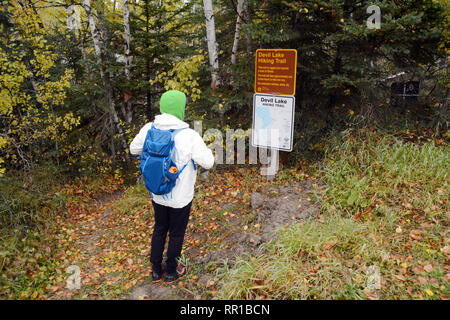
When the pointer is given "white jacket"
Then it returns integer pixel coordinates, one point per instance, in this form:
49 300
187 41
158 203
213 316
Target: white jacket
189 146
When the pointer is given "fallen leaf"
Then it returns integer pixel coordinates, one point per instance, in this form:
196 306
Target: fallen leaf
400 277
428 268
417 269
415 235
429 292
422 280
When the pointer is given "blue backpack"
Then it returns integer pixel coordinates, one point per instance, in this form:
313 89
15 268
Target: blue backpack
157 167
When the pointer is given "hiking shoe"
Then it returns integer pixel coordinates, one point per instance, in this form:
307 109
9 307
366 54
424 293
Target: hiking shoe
179 273
157 276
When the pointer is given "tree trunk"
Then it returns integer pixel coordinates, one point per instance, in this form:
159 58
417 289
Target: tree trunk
148 95
126 25
95 34
74 25
249 41
71 19
213 50
83 53
106 80
240 5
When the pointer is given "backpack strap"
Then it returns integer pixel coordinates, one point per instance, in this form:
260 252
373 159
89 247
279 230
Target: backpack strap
183 167
174 133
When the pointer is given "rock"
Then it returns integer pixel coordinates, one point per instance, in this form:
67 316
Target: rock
204 175
205 279
153 292
211 256
254 239
227 205
271 189
234 221
256 200
205 259
262 216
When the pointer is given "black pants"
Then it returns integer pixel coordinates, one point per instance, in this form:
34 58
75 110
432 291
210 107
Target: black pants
174 221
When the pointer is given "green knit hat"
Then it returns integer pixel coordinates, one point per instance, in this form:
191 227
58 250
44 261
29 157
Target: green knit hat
173 102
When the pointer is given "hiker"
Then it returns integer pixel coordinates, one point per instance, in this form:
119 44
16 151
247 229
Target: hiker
172 209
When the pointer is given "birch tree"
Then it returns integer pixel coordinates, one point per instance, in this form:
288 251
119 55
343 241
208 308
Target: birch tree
248 36
213 47
126 26
240 6
105 77
74 24
72 19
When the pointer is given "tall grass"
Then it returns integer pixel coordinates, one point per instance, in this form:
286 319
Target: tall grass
303 263
30 204
374 182
28 207
365 170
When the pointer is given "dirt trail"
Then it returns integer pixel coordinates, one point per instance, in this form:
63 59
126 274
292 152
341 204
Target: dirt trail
272 208
93 239
109 238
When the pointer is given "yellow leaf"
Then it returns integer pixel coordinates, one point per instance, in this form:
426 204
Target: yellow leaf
429 292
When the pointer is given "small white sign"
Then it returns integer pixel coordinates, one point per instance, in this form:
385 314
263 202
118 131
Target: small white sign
273 121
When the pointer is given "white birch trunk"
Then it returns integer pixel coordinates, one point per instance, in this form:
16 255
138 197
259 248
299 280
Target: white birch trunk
83 53
248 36
71 18
106 81
74 25
213 48
94 32
126 26
240 6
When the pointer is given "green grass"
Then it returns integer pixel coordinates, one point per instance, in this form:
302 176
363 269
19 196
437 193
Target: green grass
134 199
286 269
367 170
378 190
28 207
31 203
